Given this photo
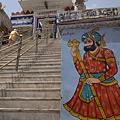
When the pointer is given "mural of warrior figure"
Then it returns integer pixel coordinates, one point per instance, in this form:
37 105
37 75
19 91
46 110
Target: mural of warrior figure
97 96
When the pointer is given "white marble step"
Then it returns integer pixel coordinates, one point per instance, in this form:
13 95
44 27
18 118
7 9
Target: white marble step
20 77
30 92
31 73
23 59
34 58
30 102
29 114
32 67
38 70
41 63
30 84
38 55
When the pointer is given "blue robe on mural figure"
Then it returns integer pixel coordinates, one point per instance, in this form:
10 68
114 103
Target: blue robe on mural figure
103 102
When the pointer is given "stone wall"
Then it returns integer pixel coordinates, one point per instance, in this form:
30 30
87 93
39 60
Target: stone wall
5 23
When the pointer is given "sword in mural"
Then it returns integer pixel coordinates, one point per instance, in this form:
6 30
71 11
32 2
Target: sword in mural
75 44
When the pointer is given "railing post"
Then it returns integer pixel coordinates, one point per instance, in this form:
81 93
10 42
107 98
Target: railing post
18 54
47 35
1 39
37 41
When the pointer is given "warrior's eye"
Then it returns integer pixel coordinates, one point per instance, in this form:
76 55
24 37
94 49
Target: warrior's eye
89 41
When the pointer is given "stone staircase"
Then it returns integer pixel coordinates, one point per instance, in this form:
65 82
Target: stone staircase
32 93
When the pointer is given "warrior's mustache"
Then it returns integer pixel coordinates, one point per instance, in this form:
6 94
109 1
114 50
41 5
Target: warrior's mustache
89 46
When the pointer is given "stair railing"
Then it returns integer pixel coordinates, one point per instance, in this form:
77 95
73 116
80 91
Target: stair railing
2 37
20 46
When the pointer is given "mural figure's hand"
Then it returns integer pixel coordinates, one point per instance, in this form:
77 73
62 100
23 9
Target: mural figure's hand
90 81
73 51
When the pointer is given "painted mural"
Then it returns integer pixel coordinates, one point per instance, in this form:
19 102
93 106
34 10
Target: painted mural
91 74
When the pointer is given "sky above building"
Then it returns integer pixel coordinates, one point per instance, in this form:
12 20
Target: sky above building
102 3
13 5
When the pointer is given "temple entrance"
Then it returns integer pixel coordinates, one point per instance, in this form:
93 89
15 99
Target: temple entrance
48 26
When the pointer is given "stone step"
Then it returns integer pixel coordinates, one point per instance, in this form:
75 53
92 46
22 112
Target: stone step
44 47
19 78
40 47
23 59
31 73
33 61
25 70
40 51
49 48
32 67
29 114
30 92
29 102
30 84
45 50
34 64
37 55
36 58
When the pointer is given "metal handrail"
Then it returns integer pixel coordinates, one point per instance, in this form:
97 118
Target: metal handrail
16 44
26 32
15 51
23 34
7 63
30 48
20 55
3 36
20 33
27 42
